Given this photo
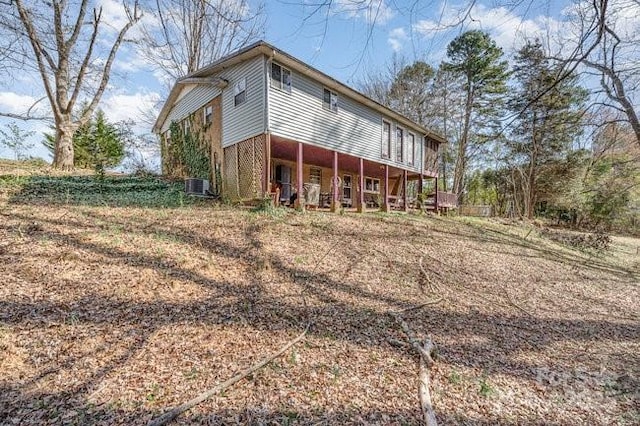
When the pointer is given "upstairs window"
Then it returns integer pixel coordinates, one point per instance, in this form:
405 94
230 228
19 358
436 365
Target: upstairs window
208 114
433 146
240 92
280 77
330 100
386 139
412 149
399 144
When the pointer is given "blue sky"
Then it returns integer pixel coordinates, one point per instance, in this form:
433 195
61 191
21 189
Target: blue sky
344 41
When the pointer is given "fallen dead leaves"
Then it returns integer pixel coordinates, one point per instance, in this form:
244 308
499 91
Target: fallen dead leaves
111 316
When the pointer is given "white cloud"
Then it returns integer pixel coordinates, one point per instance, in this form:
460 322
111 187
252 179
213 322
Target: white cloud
114 17
507 28
372 11
397 38
130 60
15 103
136 106
113 14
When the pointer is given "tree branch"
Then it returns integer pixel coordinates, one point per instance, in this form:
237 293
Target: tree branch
39 53
175 412
134 16
85 62
78 25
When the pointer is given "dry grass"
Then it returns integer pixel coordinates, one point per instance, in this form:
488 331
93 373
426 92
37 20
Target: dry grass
111 315
36 167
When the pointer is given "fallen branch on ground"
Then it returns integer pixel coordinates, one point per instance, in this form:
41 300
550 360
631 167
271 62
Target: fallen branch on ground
413 340
432 285
422 305
425 350
175 412
425 396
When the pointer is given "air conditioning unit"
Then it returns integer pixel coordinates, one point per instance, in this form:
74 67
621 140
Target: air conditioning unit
196 186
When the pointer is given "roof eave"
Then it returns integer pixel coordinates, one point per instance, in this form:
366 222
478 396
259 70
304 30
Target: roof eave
225 62
273 52
332 83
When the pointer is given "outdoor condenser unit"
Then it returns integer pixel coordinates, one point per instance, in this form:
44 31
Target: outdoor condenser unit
196 186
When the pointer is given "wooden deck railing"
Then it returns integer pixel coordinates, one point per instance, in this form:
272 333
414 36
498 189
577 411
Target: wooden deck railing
447 200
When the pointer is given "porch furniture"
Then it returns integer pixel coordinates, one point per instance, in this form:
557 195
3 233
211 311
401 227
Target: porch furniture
325 199
312 194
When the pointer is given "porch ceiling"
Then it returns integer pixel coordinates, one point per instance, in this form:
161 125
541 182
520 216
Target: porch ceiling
286 149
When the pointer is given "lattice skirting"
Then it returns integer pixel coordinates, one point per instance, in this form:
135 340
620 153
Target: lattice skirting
244 172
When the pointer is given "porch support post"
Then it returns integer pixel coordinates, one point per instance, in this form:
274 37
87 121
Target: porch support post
361 206
300 192
267 165
420 188
436 196
404 191
334 184
385 204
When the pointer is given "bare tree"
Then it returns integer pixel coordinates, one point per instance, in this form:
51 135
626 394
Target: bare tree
58 41
613 60
188 34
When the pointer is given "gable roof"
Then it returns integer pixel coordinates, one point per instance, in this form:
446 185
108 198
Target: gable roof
262 47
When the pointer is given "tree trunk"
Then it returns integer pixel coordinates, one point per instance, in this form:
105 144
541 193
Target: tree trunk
461 161
531 175
63 155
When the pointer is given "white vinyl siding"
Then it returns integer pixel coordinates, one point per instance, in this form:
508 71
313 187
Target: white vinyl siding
240 122
246 119
193 100
355 129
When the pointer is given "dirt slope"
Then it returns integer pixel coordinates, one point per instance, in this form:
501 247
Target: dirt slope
111 315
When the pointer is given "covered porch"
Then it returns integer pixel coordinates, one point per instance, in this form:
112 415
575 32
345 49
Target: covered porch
332 180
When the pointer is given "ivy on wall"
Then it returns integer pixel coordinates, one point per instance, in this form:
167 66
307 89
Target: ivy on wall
185 153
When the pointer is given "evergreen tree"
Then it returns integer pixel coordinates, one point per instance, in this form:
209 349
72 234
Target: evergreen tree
477 60
98 144
408 93
444 113
548 118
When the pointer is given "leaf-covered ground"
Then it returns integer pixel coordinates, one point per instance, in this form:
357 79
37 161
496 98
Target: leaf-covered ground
110 315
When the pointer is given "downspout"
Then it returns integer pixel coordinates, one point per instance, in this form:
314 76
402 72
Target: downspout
267 127
267 118
422 149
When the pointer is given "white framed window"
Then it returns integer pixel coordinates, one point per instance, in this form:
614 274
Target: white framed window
346 187
240 92
315 175
411 146
330 100
386 139
208 114
280 77
399 144
186 125
372 185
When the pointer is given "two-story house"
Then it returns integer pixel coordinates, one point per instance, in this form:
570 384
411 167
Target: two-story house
272 120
